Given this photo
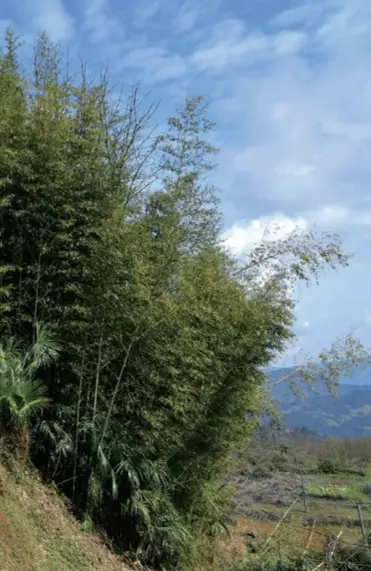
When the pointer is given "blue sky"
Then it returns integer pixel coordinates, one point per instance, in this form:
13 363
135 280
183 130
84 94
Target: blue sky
290 88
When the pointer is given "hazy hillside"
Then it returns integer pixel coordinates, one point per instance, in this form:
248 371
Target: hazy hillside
347 414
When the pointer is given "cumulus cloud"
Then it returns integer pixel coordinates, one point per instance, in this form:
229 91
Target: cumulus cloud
242 239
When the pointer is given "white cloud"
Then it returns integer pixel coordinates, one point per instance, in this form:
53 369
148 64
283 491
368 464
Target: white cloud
145 12
287 43
307 117
307 14
156 62
101 25
297 170
231 44
187 16
29 17
339 217
50 16
349 23
330 216
242 239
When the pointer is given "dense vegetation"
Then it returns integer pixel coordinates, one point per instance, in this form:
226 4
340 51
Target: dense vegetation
137 369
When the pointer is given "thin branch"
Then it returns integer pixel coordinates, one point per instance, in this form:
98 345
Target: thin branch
117 386
97 376
278 525
77 430
306 549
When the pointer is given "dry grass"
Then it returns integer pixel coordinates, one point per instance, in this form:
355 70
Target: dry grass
37 533
291 538
289 535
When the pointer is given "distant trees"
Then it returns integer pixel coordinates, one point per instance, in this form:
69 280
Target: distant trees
163 335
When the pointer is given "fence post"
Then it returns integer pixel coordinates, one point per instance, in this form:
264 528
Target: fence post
362 523
303 491
364 532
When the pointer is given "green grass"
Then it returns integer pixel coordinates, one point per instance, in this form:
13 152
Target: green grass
333 508
343 475
367 472
351 492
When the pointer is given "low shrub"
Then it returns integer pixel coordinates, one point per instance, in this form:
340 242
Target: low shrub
329 466
260 473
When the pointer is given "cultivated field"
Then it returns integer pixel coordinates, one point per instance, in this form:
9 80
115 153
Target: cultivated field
301 495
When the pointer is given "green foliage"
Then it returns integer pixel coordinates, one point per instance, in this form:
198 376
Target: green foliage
164 334
351 558
21 393
87 525
329 465
337 491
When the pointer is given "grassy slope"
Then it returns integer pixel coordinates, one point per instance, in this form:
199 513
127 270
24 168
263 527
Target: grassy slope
38 534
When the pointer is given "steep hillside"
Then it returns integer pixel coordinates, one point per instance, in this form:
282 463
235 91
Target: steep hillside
37 533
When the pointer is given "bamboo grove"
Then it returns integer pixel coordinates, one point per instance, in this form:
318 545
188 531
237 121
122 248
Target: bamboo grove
132 342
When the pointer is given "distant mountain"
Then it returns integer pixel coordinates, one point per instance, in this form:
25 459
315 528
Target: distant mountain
347 414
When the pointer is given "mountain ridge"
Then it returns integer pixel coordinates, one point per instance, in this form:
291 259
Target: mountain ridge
347 414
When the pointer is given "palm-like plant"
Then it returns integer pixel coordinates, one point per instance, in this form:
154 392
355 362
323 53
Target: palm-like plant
21 392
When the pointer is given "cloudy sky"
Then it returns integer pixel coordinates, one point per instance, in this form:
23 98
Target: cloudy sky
289 83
